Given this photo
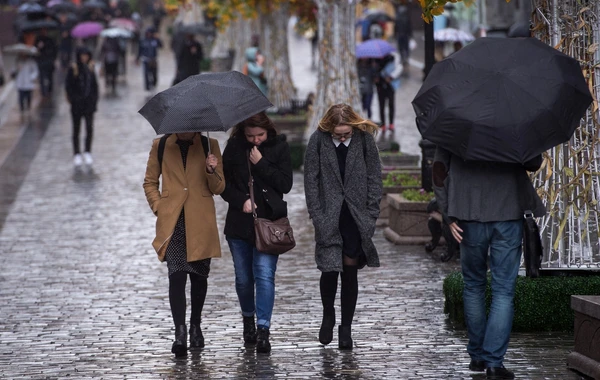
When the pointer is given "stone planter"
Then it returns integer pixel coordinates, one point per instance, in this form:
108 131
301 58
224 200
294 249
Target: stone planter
384 205
586 356
407 222
400 160
293 126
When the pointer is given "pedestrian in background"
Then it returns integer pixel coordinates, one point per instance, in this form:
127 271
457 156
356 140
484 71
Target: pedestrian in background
110 53
256 140
187 237
26 74
47 56
148 54
387 82
255 70
189 57
343 187
403 33
367 71
81 87
481 203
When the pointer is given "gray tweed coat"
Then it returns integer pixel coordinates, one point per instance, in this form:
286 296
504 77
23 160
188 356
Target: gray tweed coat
362 189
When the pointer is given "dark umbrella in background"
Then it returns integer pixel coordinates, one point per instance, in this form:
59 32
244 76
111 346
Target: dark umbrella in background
502 100
29 26
208 102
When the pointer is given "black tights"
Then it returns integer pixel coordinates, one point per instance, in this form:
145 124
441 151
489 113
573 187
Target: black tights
177 282
349 296
89 130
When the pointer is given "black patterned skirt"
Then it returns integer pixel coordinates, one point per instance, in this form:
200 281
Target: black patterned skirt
176 255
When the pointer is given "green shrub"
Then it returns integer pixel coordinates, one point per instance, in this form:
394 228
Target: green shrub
401 179
205 64
541 304
297 153
417 195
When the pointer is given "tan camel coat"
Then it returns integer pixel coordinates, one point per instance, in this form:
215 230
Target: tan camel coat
192 188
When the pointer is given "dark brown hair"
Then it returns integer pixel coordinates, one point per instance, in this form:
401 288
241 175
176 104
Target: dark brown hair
260 120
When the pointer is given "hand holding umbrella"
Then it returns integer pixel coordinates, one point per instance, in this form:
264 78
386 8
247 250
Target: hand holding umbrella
211 163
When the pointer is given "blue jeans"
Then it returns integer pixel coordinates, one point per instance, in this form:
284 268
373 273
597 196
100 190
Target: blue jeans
489 336
254 267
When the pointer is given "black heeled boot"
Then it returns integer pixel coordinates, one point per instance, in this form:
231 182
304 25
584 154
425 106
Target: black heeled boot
196 337
180 344
326 330
345 338
249 330
262 341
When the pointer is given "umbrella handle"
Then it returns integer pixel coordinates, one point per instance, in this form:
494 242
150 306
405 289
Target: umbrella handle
208 137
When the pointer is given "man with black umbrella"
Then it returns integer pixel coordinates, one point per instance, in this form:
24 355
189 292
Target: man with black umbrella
483 204
188 58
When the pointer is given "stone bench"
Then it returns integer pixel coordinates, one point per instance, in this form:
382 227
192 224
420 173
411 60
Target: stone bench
586 356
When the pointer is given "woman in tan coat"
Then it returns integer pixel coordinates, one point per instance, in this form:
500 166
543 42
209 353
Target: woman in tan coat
186 227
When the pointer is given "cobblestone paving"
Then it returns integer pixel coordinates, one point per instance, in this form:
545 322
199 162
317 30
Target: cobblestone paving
83 296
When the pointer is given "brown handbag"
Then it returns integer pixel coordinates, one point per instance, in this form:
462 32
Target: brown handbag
271 236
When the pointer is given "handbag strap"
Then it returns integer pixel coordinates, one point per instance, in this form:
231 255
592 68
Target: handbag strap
251 185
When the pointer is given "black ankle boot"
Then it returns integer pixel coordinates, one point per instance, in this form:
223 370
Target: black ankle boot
262 341
326 331
196 337
345 338
180 344
249 330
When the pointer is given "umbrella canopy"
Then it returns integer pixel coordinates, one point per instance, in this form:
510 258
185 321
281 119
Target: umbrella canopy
61 6
205 103
452 35
375 48
123 23
87 29
94 4
31 7
116 33
28 26
502 100
20 49
379 16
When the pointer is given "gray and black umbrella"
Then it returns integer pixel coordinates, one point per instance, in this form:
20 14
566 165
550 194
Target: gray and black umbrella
207 102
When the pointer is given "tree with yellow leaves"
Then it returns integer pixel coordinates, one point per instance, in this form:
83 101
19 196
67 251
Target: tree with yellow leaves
433 8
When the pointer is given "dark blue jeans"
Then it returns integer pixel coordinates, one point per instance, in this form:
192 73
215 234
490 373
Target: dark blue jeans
254 267
489 335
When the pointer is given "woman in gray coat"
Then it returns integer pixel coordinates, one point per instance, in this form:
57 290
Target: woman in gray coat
342 182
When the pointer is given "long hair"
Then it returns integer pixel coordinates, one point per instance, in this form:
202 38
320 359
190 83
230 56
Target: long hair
339 114
260 120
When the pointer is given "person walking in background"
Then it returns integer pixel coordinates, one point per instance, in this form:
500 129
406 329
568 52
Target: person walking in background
367 71
47 55
343 187
187 237
110 53
387 82
255 144
255 70
403 33
26 74
148 54
492 232
189 57
81 87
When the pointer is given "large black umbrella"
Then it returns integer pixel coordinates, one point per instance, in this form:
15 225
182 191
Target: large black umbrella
502 100
31 7
205 103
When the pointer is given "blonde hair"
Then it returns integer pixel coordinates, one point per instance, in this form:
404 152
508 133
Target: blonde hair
339 114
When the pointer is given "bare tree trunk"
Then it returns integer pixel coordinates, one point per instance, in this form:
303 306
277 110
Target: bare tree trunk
338 78
274 44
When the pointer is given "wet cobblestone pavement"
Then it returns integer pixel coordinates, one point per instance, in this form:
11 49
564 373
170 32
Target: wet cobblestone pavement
83 296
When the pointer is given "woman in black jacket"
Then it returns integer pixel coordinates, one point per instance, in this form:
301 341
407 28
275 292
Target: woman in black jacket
81 87
255 139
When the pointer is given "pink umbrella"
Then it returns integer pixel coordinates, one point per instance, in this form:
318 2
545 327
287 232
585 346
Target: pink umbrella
123 23
87 29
